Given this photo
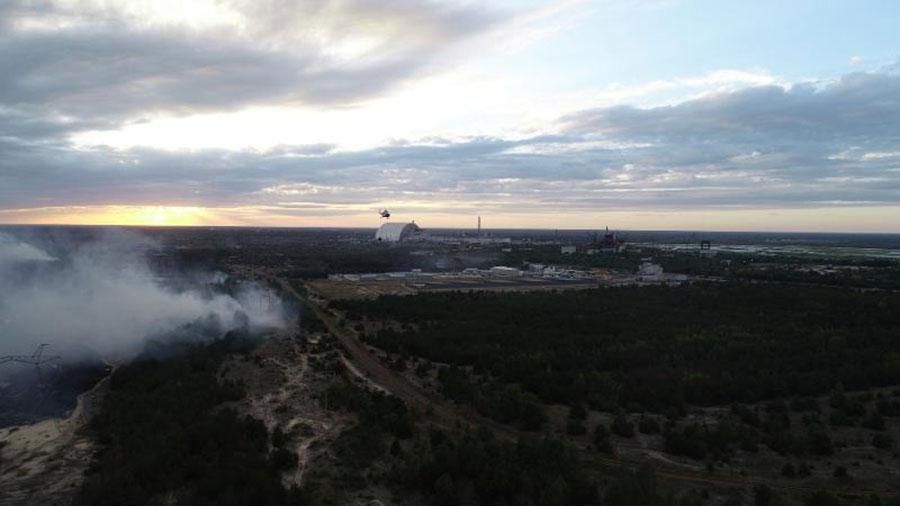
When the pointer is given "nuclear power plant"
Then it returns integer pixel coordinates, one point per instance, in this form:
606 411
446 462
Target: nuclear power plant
397 232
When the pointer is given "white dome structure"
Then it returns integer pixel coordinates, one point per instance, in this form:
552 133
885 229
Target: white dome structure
397 232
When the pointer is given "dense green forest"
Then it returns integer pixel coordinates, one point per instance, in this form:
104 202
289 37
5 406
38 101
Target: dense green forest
166 437
163 440
651 348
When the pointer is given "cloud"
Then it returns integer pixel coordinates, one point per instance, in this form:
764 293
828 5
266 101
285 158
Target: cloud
764 146
70 66
855 106
742 138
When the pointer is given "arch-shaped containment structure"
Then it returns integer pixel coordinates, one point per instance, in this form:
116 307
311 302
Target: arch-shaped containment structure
397 232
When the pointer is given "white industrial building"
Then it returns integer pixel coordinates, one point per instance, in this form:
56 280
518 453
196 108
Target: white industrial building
650 272
502 270
397 232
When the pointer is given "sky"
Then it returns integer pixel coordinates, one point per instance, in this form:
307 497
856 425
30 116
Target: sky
653 114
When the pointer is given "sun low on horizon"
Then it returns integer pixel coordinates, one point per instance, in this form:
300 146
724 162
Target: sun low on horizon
533 114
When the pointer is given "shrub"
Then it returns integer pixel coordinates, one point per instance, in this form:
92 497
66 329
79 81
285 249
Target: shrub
621 426
883 441
575 428
648 425
284 459
788 470
601 439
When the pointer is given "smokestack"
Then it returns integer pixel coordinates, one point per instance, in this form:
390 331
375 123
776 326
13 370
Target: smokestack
479 225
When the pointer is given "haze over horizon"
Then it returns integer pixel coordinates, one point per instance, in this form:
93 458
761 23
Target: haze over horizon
663 114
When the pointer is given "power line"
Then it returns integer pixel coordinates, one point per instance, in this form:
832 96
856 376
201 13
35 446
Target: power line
36 359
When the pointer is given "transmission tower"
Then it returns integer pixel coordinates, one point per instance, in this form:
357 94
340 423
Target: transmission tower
36 359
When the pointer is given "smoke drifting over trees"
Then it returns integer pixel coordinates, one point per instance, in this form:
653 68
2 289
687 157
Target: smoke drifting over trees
102 296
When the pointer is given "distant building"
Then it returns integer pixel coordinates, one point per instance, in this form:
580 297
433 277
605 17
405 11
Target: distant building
397 232
610 242
650 272
568 250
502 270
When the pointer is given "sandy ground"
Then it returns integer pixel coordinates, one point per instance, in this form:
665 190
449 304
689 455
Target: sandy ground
44 463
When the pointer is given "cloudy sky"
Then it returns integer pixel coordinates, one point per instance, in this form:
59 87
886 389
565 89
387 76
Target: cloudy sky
642 114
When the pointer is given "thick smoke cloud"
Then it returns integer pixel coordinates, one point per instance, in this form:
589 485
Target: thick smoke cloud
103 298
13 251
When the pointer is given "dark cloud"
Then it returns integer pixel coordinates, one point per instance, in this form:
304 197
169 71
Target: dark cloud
100 66
856 107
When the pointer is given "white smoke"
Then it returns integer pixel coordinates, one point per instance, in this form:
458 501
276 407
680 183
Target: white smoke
104 297
13 251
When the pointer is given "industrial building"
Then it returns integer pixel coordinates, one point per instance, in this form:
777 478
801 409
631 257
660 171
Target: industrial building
650 272
397 232
610 242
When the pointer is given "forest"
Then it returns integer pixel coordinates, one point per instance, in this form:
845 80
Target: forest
649 348
163 438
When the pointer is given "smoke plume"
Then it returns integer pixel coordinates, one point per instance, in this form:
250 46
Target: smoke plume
102 297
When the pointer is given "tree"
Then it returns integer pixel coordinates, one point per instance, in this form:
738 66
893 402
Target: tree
601 439
648 425
763 495
883 441
788 470
823 499
621 426
577 412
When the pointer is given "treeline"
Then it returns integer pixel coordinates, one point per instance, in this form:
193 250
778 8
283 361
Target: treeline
652 348
886 277
299 258
477 469
163 440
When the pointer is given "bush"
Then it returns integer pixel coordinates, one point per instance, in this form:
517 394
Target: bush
822 499
688 442
840 472
874 421
601 439
577 412
746 415
278 438
621 426
804 404
575 428
763 496
820 443
788 471
648 425
284 459
883 441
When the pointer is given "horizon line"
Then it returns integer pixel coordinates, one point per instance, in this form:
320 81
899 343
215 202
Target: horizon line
518 229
